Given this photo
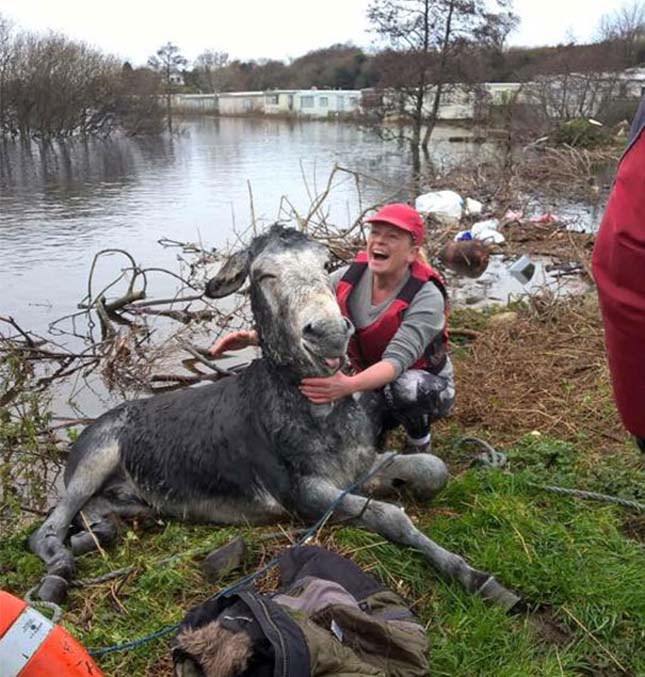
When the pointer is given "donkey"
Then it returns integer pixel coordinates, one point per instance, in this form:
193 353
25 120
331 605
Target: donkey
251 448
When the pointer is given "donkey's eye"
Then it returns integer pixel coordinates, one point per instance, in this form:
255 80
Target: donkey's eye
264 277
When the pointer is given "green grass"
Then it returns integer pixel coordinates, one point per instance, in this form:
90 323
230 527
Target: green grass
562 553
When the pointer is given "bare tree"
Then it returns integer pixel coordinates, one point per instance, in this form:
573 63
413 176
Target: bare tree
573 81
167 62
626 26
54 87
142 112
209 65
426 38
6 51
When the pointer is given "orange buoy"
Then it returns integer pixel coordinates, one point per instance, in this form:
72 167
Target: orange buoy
32 646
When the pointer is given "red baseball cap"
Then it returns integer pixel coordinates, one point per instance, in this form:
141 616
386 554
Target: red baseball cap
401 216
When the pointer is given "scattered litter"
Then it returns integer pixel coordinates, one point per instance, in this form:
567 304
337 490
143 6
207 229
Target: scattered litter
523 270
561 269
445 205
486 231
473 207
513 215
481 226
463 235
545 219
465 257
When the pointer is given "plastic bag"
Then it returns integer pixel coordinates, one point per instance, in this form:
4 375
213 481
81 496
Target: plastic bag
445 205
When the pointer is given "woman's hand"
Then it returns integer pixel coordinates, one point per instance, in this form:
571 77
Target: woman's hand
236 340
327 389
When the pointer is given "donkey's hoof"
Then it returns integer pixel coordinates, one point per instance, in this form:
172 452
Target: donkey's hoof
53 589
495 592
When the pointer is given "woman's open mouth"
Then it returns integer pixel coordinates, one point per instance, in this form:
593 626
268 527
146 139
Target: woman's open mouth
379 255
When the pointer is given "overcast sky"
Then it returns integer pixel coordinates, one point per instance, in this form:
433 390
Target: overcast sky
252 29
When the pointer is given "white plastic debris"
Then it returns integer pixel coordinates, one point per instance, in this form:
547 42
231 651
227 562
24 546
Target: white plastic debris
473 207
445 205
486 231
488 224
491 237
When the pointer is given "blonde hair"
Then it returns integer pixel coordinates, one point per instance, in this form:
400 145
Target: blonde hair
422 257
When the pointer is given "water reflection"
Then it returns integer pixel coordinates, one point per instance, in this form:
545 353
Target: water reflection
62 202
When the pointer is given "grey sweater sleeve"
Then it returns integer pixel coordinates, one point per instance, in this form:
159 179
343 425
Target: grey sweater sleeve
422 321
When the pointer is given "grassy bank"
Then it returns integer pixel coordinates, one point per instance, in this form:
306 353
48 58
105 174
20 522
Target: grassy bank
534 384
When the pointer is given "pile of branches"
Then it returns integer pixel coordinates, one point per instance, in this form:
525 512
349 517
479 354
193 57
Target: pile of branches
537 170
540 368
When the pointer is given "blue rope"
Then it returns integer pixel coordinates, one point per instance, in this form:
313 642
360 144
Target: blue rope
166 630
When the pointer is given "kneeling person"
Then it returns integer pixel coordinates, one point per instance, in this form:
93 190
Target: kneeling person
397 303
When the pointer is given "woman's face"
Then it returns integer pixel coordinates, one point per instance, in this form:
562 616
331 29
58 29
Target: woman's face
390 250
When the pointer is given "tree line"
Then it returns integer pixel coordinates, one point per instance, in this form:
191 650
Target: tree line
51 86
477 42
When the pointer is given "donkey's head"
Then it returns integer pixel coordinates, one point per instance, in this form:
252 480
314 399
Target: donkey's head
297 318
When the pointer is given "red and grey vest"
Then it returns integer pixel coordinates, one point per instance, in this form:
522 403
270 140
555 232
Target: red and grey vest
367 345
619 271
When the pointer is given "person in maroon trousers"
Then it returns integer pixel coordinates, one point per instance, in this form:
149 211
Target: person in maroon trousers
618 266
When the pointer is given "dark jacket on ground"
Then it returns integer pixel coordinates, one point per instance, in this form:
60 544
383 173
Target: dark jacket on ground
329 618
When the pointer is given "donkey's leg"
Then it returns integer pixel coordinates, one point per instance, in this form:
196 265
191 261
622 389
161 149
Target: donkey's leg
422 474
315 495
47 542
99 517
100 528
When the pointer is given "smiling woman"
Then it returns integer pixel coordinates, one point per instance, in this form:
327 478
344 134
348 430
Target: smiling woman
397 303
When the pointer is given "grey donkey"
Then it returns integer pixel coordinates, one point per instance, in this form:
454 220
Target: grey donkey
250 448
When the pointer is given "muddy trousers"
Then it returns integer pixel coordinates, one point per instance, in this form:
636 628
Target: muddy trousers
415 400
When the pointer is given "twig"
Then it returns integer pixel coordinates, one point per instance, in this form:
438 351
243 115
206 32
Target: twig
9 320
596 640
252 206
87 526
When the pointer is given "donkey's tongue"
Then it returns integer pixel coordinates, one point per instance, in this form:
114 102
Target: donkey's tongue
333 362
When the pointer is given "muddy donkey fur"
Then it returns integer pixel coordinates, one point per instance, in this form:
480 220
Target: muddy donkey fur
250 448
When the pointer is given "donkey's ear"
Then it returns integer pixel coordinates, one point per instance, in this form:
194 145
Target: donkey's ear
230 277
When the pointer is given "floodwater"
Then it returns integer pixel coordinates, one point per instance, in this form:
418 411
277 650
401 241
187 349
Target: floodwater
61 204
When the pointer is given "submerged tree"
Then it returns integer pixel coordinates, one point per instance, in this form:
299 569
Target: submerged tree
167 62
427 40
52 87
